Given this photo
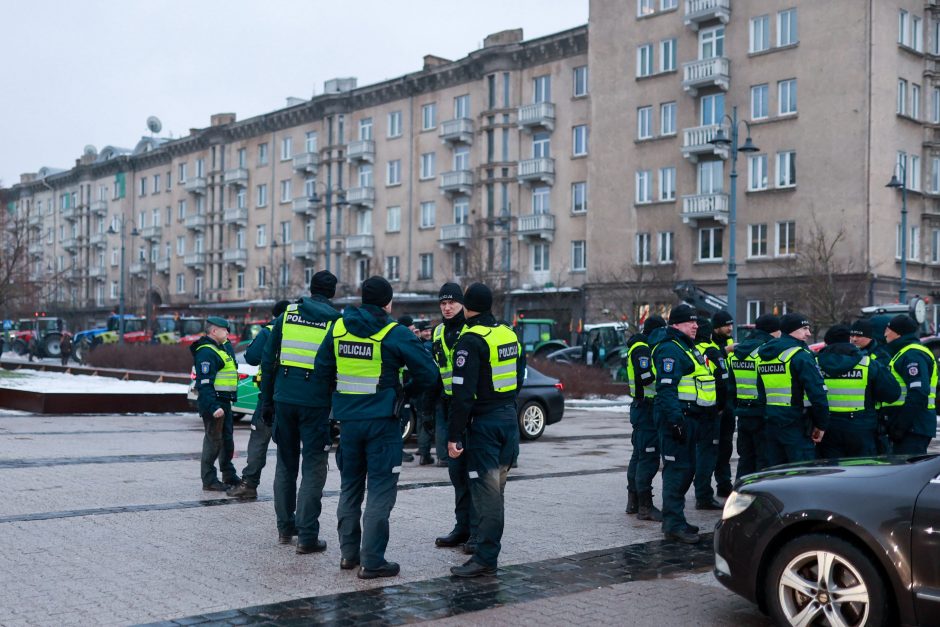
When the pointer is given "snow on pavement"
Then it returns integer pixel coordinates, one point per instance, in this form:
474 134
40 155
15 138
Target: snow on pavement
34 381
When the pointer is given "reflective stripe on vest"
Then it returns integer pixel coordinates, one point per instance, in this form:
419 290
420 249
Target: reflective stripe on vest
633 381
847 391
697 387
713 367
257 377
504 354
745 375
300 338
932 395
777 379
358 359
446 370
226 379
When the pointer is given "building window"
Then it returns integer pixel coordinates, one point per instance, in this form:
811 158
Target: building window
392 271
709 243
541 145
935 246
156 183
393 173
711 43
261 195
917 33
935 175
757 241
285 232
428 211
753 311
756 173
786 238
114 289
665 5
786 28
580 81
579 140
645 7
261 235
181 173
393 219
759 96
540 258
262 275
461 211
365 129
760 34
142 191
642 249
542 88
180 246
643 192
579 196
578 255
902 97
913 173
394 124
180 283
667 118
786 169
459 262
915 101
904 36
914 245
310 143
644 122
667 184
425 266
667 55
541 199
644 60
711 109
462 158
287 148
666 253
427 165
285 191
263 154
786 97
365 175
428 116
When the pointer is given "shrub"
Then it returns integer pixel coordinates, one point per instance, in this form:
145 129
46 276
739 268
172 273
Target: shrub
581 381
152 357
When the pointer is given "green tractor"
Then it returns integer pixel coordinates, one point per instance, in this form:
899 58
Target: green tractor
538 336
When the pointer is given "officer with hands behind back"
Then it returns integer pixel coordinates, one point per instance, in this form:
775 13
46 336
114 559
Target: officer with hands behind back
489 369
912 419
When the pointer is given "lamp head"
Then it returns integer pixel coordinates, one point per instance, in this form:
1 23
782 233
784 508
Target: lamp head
720 138
748 146
895 182
134 232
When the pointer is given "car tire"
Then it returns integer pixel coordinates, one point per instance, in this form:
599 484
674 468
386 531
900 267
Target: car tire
532 419
793 585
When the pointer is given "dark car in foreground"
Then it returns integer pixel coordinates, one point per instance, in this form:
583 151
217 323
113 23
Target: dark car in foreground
848 542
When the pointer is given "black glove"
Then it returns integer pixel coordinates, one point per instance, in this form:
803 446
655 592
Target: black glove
898 427
678 432
267 415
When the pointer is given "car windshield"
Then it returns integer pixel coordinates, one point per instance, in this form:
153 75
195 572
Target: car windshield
166 325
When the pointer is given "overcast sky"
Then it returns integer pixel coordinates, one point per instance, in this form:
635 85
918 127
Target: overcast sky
92 71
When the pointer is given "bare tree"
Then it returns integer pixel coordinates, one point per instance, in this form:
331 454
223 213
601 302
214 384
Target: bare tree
634 291
19 291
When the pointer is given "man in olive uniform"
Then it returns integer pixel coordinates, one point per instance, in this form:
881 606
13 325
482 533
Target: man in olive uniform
685 401
644 461
912 419
260 436
299 423
722 330
854 383
360 361
797 407
217 387
489 368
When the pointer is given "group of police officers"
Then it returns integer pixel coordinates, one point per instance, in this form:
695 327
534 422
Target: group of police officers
317 363
690 383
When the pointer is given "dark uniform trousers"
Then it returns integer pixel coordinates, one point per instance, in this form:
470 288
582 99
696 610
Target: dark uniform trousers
911 444
258 442
218 443
725 448
788 442
750 445
644 462
368 448
492 446
679 463
440 428
706 454
847 438
458 469
297 429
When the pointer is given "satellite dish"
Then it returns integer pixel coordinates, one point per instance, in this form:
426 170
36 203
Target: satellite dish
154 124
90 151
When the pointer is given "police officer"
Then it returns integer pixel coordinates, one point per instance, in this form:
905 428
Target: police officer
644 461
685 401
911 419
706 448
489 368
360 360
260 432
747 396
855 383
862 335
722 330
424 403
216 386
797 407
299 422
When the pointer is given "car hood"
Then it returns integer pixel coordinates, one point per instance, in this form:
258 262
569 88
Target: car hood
852 468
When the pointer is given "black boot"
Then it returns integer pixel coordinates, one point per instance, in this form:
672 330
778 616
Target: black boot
646 509
632 505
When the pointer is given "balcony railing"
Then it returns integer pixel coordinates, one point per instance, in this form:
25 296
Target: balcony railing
97 272
37 248
363 196
714 72
304 250
237 257
360 244
195 260
35 220
151 232
70 213
99 207
98 240
536 115
307 162
304 206
236 176
195 222
196 185
162 266
455 235
695 142
139 269
70 243
235 215
361 150
697 12
540 170
459 130
536 225
703 206
457 182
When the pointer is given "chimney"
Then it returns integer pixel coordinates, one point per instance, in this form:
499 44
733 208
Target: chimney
431 61
503 38
221 119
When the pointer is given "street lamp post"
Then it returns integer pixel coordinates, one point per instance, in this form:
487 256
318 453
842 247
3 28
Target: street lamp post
504 221
134 233
894 183
282 273
722 141
328 193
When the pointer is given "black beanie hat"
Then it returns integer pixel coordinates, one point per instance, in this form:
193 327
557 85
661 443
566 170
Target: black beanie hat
682 313
323 283
768 323
863 328
903 324
376 291
406 320
792 321
722 319
279 307
837 333
478 298
652 323
450 291
704 332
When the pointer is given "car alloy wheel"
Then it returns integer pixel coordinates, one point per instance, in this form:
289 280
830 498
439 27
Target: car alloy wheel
532 420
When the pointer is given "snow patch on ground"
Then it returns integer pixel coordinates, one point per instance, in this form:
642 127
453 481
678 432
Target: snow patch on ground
60 382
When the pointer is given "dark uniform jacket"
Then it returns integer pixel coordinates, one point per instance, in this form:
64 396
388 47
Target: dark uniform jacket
400 348
672 363
642 358
915 368
473 378
877 350
452 329
837 359
207 363
806 378
255 351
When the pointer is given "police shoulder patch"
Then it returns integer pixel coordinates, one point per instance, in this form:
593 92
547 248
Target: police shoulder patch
460 361
204 367
644 362
669 364
912 369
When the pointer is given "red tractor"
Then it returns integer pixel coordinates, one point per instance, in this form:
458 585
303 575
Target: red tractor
48 332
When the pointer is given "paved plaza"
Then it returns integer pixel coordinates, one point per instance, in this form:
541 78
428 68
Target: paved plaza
104 521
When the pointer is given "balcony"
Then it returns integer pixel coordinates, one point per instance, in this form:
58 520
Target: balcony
196 185
536 226
714 72
705 206
36 249
536 115
541 170
195 260
455 235
162 266
235 215
307 162
457 182
697 12
304 206
360 245
99 207
237 176
35 221
99 240
237 257
361 196
151 232
361 150
458 131
695 142
304 250
196 222
70 243
139 269
70 213
98 273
